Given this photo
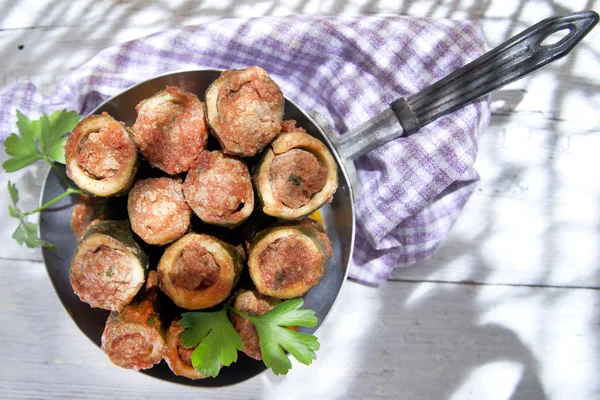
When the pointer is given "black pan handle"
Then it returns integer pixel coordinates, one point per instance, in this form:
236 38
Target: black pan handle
515 58
506 63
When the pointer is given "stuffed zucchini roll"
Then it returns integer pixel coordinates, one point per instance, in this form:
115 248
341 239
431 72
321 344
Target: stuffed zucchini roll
134 338
170 129
295 176
244 110
219 189
101 156
199 271
287 260
83 214
109 267
88 210
178 357
251 303
158 211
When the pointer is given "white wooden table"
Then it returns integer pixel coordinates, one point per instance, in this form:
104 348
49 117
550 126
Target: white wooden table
508 308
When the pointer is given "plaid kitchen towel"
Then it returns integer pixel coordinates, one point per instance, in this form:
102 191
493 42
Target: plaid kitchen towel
348 69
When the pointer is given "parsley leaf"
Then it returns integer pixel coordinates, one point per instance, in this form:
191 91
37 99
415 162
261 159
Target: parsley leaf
26 232
40 139
61 123
275 337
216 340
14 193
23 150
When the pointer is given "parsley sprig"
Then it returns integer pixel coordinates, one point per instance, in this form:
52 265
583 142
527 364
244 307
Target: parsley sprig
217 341
41 139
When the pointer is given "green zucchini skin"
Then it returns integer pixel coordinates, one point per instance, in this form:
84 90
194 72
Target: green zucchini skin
172 354
134 338
116 185
306 230
106 256
252 303
261 175
120 231
230 260
244 141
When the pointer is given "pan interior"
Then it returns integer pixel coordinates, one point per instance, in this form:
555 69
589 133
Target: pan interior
338 217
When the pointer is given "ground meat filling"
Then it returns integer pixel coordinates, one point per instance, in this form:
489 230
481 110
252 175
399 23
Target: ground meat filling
218 188
82 214
296 176
250 111
289 125
131 348
102 154
288 260
157 210
102 274
247 332
252 305
171 134
185 354
195 269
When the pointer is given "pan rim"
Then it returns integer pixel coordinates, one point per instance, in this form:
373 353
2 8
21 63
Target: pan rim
324 137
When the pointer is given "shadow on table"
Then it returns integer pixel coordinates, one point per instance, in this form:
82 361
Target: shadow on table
443 348
410 354
65 24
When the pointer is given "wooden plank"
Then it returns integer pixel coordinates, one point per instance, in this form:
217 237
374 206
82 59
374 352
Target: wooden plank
534 217
403 340
552 109
27 14
532 221
28 182
64 36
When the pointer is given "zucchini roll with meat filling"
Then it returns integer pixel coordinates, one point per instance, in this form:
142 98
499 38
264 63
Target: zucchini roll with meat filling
296 175
244 110
251 303
199 271
101 156
109 267
287 260
178 357
219 189
84 212
157 210
170 129
134 338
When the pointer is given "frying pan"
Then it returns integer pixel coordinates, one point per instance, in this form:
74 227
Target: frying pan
508 62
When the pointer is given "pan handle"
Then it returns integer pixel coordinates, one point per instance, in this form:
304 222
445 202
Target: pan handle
515 58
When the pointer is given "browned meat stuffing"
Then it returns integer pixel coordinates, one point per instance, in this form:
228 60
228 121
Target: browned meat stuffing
157 210
219 189
101 154
196 268
296 176
251 303
289 260
171 130
101 276
249 111
289 125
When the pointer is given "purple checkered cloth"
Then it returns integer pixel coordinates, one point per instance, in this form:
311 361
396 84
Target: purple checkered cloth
346 69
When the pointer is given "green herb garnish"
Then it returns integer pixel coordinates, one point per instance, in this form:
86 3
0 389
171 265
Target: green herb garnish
41 139
218 341
295 179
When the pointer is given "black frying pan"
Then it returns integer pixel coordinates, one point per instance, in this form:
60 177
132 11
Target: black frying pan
508 62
